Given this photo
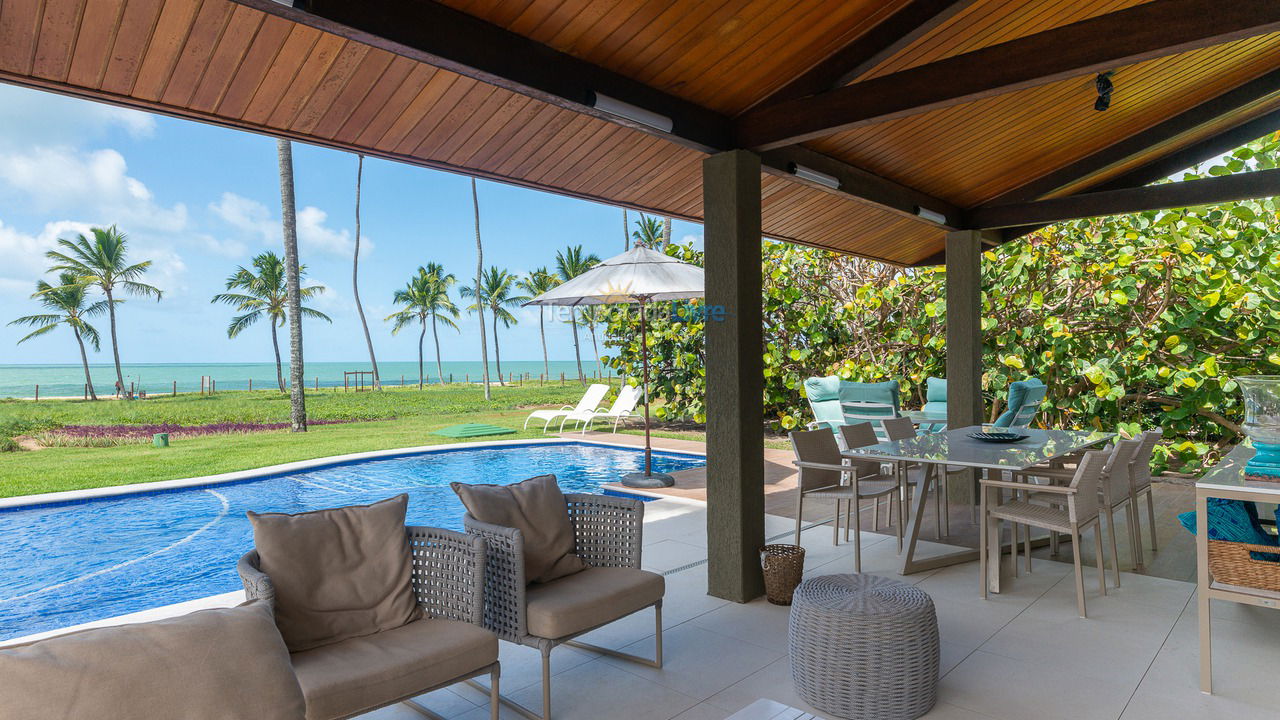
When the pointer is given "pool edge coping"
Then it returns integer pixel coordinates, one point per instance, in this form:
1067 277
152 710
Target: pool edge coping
72 496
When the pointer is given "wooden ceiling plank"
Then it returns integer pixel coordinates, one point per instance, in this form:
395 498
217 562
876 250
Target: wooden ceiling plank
93 49
193 61
395 111
501 123
909 23
177 17
1150 30
258 62
514 134
381 93
463 95
307 80
332 85
462 123
19 28
227 58
1188 193
132 39
568 170
59 27
284 68
364 81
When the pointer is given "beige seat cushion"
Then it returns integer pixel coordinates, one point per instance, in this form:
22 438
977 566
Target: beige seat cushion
224 664
592 597
537 508
338 573
364 673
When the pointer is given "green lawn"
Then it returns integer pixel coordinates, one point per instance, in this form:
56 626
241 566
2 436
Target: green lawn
390 419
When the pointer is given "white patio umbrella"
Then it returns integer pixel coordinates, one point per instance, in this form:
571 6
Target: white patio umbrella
638 276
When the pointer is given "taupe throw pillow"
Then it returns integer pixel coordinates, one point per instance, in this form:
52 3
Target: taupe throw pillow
224 664
537 508
338 573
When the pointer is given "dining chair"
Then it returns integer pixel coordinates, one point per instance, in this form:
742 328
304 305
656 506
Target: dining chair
902 428
826 474
874 413
1140 477
1079 510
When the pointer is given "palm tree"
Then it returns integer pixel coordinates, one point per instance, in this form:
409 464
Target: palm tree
626 228
648 232
593 315
262 294
426 295
570 263
67 305
666 233
538 282
484 350
355 278
293 284
495 293
101 263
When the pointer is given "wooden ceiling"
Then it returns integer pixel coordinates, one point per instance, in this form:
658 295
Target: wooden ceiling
242 64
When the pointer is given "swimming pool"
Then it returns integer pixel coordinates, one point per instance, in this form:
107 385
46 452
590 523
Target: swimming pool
71 563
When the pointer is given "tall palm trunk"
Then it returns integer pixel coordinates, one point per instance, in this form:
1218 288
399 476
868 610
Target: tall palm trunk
355 278
84 359
666 233
573 323
497 354
484 350
435 335
596 348
542 331
275 345
626 235
115 344
421 336
289 218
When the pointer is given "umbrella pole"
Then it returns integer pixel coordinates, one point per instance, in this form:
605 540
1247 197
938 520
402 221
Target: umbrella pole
644 361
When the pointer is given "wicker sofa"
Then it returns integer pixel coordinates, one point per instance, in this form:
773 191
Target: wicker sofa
446 646
607 536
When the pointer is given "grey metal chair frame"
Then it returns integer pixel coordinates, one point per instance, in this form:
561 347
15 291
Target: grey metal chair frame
607 532
448 582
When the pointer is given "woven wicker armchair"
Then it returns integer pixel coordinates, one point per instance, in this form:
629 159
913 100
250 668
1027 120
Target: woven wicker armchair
607 536
448 645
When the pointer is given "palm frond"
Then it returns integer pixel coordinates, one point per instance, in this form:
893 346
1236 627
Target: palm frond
37 333
315 315
240 322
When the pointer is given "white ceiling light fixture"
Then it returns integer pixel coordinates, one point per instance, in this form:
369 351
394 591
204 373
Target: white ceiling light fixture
932 216
634 113
812 175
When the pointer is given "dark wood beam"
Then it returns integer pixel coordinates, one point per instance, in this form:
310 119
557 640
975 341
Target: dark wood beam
1208 191
864 186
895 32
1166 165
458 42
1143 32
1197 117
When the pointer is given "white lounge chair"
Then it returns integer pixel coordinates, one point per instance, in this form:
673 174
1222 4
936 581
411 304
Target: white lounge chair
588 404
622 408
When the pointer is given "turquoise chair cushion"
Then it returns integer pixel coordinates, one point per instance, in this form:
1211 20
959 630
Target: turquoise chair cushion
885 393
1232 521
935 396
824 399
1031 390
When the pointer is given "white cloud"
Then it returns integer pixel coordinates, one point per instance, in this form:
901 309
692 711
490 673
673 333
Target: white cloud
34 118
252 218
94 183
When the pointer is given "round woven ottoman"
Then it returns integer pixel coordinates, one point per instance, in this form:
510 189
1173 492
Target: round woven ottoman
864 647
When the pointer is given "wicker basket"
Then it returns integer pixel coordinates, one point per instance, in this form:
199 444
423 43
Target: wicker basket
1231 564
783 569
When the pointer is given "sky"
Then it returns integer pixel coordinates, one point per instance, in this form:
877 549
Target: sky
199 200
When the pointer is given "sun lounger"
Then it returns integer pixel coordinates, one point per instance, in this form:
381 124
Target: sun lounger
622 408
588 404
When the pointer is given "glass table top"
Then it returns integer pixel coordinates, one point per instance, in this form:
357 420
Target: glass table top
955 447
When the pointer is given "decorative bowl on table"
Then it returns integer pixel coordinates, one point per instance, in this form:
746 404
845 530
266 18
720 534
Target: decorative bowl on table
998 437
1262 424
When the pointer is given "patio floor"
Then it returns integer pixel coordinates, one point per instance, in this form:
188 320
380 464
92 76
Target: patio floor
1023 654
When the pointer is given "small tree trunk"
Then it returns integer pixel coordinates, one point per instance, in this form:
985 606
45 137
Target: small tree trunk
355 278
666 232
573 322
626 232
595 348
497 354
435 334
422 335
542 331
84 359
484 350
115 344
275 345
289 218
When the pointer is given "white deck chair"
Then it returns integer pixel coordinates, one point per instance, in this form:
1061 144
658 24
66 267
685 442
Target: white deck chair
622 408
589 402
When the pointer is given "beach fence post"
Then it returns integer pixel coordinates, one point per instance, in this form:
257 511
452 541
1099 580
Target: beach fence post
250 384
37 392
213 385
401 381
450 378
562 378
175 388
86 391
467 378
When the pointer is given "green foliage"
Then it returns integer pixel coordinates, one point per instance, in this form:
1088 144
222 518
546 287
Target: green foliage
263 294
1132 321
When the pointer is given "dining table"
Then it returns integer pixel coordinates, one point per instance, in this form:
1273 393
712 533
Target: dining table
956 450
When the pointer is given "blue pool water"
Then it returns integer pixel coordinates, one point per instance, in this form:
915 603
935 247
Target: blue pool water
66 564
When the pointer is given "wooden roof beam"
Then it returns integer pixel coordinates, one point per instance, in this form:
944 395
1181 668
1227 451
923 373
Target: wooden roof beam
1143 32
909 23
1207 191
1197 117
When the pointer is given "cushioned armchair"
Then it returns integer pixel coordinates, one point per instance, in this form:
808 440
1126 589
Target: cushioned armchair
607 536
446 645
837 402
1023 403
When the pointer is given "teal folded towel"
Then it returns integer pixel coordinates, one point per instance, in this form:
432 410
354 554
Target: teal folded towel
1233 521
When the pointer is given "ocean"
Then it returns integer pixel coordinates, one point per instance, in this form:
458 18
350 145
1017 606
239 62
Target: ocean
20 381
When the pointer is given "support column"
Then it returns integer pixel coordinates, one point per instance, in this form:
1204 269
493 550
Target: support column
735 375
964 328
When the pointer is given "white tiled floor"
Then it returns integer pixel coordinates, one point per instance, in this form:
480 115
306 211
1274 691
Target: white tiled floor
1020 655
